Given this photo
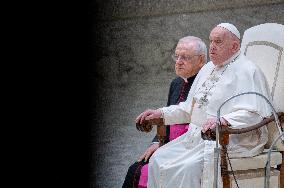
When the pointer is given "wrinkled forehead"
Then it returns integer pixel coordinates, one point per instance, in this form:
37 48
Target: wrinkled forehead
219 32
186 45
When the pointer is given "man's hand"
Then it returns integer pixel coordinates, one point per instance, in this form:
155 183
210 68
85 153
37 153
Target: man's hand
149 151
211 123
148 114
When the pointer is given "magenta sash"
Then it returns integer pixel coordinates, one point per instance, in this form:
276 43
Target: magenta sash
143 177
176 130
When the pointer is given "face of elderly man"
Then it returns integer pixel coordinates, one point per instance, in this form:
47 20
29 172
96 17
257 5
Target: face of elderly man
223 44
188 62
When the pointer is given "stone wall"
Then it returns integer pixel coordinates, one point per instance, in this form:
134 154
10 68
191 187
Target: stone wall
137 37
131 66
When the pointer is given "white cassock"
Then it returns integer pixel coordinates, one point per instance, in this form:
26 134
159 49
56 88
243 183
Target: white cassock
187 161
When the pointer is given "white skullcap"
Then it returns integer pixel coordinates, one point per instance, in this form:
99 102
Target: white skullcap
231 28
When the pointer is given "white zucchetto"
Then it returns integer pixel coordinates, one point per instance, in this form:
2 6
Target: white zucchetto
231 28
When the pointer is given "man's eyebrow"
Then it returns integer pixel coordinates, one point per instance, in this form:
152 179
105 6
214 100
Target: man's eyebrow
216 38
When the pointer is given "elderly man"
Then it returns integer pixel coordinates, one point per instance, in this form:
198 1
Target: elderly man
188 160
190 55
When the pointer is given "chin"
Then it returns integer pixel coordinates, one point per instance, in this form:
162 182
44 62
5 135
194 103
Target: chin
217 63
214 60
180 73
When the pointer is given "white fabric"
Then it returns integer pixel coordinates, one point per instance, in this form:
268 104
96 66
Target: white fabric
231 28
180 163
263 44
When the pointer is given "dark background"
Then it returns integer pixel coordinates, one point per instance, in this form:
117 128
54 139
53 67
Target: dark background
102 63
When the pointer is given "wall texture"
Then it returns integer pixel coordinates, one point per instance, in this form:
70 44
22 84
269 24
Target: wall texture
131 66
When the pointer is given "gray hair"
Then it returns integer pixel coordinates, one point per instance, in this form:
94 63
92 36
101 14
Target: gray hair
200 46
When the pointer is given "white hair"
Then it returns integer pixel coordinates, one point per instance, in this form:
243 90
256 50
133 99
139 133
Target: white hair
200 46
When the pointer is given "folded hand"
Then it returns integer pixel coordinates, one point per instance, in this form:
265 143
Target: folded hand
149 151
211 123
148 114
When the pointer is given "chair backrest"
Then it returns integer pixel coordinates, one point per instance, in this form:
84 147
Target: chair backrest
264 44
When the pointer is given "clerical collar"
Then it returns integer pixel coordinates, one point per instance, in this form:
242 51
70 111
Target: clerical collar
187 79
231 59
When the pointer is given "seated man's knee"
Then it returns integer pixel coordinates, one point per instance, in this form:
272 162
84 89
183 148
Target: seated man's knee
133 175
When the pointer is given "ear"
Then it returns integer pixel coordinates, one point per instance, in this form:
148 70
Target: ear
235 46
201 60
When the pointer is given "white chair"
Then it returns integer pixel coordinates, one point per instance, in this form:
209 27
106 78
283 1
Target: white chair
263 44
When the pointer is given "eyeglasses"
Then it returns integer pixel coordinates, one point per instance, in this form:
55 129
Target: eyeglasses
182 57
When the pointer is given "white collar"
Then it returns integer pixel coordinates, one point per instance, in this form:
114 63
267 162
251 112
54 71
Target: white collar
185 79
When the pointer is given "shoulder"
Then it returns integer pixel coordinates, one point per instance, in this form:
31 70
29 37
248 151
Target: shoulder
208 66
176 81
247 71
245 66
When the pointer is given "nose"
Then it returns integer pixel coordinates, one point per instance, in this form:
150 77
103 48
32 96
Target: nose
178 61
212 46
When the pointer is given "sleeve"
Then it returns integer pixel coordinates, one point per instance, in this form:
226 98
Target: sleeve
177 114
180 114
242 118
171 89
155 139
250 109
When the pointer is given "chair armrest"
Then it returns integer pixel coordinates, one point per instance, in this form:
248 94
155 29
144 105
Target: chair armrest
147 126
265 121
210 134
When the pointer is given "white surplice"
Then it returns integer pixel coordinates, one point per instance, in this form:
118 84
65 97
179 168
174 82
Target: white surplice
188 160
